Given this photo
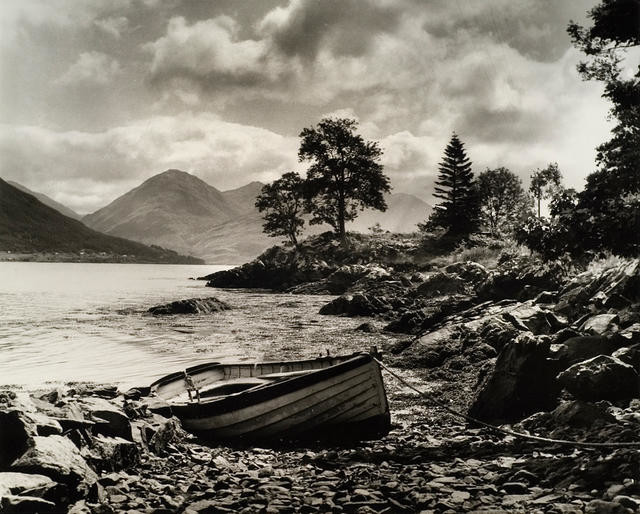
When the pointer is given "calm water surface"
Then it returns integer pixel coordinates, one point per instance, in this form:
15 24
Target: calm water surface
79 321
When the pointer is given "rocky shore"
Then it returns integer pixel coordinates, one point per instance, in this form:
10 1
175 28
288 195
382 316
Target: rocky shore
533 347
89 449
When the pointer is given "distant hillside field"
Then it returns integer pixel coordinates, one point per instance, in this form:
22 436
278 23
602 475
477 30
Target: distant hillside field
29 226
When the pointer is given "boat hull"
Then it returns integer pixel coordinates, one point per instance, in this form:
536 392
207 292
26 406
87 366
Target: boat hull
339 401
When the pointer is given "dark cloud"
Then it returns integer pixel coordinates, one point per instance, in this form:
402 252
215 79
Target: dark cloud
305 27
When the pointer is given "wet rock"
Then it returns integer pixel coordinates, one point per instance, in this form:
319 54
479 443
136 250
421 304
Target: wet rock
522 382
190 306
600 324
58 458
600 378
95 390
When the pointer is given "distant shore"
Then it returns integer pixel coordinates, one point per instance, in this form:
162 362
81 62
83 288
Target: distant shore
77 257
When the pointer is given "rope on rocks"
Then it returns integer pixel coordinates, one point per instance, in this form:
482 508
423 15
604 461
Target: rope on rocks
567 442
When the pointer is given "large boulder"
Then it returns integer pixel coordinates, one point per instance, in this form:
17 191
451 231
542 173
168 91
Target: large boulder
15 436
469 271
498 332
601 378
34 485
109 420
579 348
520 279
600 324
629 355
357 305
112 453
440 284
522 382
598 290
432 349
191 306
58 458
536 319
345 276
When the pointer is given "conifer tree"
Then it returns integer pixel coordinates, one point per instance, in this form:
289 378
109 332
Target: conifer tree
458 211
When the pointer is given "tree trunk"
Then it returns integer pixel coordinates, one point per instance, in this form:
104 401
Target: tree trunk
538 207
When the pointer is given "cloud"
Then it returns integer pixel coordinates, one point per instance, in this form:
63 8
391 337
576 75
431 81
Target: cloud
114 25
224 154
210 52
306 27
90 68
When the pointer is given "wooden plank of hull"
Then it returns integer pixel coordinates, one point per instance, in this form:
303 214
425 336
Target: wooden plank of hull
280 406
350 397
310 412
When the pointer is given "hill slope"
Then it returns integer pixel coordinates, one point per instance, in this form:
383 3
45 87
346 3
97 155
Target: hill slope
29 226
166 210
50 202
179 211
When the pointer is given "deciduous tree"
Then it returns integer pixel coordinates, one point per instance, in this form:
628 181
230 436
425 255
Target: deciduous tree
544 183
608 209
282 201
502 199
345 173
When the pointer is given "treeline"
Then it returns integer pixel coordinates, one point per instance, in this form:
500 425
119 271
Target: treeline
346 176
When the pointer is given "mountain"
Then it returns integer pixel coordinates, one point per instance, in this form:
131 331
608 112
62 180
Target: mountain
177 210
50 202
244 198
404 212
167 210
29 226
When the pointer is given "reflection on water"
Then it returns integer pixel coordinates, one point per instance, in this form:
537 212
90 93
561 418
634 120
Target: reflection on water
78 321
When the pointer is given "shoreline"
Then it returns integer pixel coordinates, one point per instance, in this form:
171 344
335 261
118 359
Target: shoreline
429 461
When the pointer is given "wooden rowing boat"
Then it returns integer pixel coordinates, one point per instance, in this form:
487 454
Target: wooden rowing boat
323 398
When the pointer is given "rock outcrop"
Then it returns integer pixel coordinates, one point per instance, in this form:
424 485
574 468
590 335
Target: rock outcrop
191 306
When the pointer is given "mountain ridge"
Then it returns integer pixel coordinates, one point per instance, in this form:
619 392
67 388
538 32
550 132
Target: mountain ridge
47 200
178 210
29 226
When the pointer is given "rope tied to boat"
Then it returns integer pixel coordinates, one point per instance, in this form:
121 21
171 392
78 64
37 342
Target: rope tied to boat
506 431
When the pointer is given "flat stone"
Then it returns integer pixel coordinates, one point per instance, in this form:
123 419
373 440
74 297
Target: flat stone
16 483
12 504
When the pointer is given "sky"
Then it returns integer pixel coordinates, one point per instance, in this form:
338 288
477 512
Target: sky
96 96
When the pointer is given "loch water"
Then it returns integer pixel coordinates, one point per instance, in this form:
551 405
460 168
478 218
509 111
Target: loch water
62 322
